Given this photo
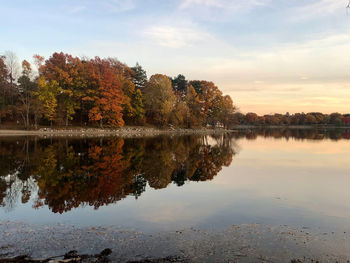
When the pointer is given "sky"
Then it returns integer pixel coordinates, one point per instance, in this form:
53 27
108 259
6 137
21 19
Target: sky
268 55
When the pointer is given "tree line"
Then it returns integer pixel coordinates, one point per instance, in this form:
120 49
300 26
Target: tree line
66 90
311 118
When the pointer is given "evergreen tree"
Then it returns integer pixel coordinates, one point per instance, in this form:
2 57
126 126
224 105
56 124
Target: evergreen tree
140 77
179 84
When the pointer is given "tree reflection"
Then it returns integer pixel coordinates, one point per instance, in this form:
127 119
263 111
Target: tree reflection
64 174
67 173
297 134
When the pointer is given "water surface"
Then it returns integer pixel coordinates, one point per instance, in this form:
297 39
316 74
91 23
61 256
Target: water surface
298 178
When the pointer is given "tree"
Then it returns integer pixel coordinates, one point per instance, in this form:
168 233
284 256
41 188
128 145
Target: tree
209 96
13 67
251 118
310 119
139 78
226 111
38 61
159 99
196 117
46 95
66 71
336 118
179 84
26 89
128 109
139 111
4 85
237 118
133 111
180 115
107 101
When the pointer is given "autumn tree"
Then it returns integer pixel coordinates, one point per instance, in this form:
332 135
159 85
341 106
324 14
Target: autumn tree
194 104
237 118
108 98
180 114
159 99
209 95
105 91
336 118
66 71
226 110
139 109
133 110
310 119
47 96
251 117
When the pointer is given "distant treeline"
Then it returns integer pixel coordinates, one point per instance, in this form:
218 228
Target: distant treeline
65 90
311 118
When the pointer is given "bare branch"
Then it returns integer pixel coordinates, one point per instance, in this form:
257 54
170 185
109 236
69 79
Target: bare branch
12 65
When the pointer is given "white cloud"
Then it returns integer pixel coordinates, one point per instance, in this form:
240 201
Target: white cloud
234 5
175 36
77 9
320 60
118 5
318 9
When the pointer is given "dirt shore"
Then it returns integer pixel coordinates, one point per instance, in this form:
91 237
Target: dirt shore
137 131
243 243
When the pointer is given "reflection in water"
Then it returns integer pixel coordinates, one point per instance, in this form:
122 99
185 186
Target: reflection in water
67 173
310 134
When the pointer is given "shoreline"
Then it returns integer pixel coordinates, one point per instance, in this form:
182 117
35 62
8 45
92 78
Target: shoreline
128 131
141 131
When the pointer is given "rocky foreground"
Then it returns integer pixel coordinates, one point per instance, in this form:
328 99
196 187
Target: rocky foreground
244 243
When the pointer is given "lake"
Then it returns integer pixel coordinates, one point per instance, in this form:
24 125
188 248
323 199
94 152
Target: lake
279 181
293 177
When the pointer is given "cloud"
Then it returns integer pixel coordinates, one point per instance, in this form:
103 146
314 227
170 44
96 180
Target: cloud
319 60
317 9
77 9
232 5
118 5
175 36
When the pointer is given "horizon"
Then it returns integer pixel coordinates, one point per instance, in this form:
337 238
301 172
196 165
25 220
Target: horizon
270 56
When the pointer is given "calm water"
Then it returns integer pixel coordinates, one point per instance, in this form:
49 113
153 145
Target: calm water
295 178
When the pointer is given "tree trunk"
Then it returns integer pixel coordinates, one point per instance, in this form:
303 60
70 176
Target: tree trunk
24 120
35 121
27 120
